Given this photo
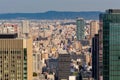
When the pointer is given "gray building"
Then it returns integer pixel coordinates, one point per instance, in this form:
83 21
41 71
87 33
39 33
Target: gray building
64 66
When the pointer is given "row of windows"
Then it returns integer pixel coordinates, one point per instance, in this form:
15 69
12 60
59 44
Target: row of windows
114 77
10 79
12 71
114 62
114 48
18 57
110 17
114 68
10 52
114 58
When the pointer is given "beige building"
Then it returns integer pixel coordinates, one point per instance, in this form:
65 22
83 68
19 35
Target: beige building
36 62
25 26
94 27
77 45
88 58
15 58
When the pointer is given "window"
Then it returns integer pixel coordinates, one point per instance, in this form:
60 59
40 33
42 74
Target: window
119 57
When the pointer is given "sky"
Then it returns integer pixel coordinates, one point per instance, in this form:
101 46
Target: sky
34 6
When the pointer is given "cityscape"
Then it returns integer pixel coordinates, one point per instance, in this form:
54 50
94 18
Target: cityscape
59 40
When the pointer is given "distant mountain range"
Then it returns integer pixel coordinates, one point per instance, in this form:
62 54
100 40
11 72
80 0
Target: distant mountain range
52 15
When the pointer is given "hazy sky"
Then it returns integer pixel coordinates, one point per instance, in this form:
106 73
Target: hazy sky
13 6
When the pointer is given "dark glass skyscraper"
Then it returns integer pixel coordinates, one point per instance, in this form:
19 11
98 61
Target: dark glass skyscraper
95 57
111 44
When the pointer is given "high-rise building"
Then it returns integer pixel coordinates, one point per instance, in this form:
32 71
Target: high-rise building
94 27
64 66
111 44
100 52
37 63
25 27
15 58
80 29
95 57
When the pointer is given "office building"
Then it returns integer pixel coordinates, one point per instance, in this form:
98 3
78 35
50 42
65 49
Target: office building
25 27
37 63
94 27
110 21
64 66
95 57
53 65
80 29
100 53
15 58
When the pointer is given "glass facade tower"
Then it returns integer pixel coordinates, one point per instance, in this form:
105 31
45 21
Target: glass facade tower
111 44
80 29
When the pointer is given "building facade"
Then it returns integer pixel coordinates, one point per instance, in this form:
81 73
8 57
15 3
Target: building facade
94 27
80 29
64 66
37 63
95 57
25 26
111 44
15 58
100 32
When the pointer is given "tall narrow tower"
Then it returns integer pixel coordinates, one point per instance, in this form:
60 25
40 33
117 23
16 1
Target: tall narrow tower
80 29
25 27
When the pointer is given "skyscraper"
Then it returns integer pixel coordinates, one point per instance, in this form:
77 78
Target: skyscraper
25 27
94 27
95 57
100 33
80 29
111 44
15 58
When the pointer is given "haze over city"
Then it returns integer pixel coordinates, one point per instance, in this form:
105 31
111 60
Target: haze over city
34 6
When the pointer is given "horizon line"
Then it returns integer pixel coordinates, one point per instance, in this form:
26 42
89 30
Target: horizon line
47 12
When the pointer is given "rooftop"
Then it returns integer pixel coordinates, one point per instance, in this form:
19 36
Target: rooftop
113 11
7 36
